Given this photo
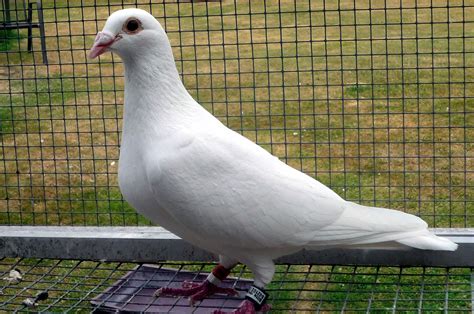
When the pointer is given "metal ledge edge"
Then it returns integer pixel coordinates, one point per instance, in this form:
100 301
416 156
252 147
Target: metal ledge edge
152 244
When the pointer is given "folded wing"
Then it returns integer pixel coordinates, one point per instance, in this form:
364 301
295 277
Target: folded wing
225 187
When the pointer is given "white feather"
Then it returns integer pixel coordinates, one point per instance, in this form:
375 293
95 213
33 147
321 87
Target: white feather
186 171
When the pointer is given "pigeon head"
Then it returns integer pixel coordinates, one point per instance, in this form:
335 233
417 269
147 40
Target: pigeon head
129 32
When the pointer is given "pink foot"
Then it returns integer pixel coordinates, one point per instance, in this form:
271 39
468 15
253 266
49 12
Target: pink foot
195 291
246 307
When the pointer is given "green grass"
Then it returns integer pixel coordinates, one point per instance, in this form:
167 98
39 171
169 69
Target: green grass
5 120
9 38
381 133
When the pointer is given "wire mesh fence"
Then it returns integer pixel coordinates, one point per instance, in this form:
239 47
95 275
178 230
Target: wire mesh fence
373 98
72 285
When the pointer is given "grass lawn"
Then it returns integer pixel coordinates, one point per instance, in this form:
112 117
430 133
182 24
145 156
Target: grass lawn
376 102
380 111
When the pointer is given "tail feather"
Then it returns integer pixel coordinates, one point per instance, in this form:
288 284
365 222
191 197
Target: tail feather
371 227
429 241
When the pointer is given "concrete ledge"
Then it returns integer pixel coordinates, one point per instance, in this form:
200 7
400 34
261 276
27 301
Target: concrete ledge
152 244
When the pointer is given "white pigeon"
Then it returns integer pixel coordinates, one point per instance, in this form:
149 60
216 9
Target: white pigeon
184 170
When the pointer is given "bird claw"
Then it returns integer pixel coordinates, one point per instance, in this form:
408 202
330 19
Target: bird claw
195 291
246 307
190 285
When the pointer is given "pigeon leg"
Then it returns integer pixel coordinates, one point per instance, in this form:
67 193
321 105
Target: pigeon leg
199 291
256 298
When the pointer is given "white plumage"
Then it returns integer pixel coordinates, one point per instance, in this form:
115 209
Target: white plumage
183 169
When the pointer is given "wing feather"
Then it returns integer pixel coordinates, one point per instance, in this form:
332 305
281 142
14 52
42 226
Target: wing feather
226 187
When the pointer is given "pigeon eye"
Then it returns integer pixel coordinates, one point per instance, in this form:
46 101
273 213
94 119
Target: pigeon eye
132 26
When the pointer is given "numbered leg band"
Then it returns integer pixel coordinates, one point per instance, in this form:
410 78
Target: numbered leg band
257 296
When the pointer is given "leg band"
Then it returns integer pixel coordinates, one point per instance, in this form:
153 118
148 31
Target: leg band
257 296
218 274
213 279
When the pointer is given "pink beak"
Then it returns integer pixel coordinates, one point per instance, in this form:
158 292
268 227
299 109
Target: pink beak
103 41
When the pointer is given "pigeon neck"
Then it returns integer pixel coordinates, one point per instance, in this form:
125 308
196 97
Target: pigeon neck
152 75
153 83
154 95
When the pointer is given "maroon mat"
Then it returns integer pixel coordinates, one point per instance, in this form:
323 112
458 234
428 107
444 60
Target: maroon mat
134 293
